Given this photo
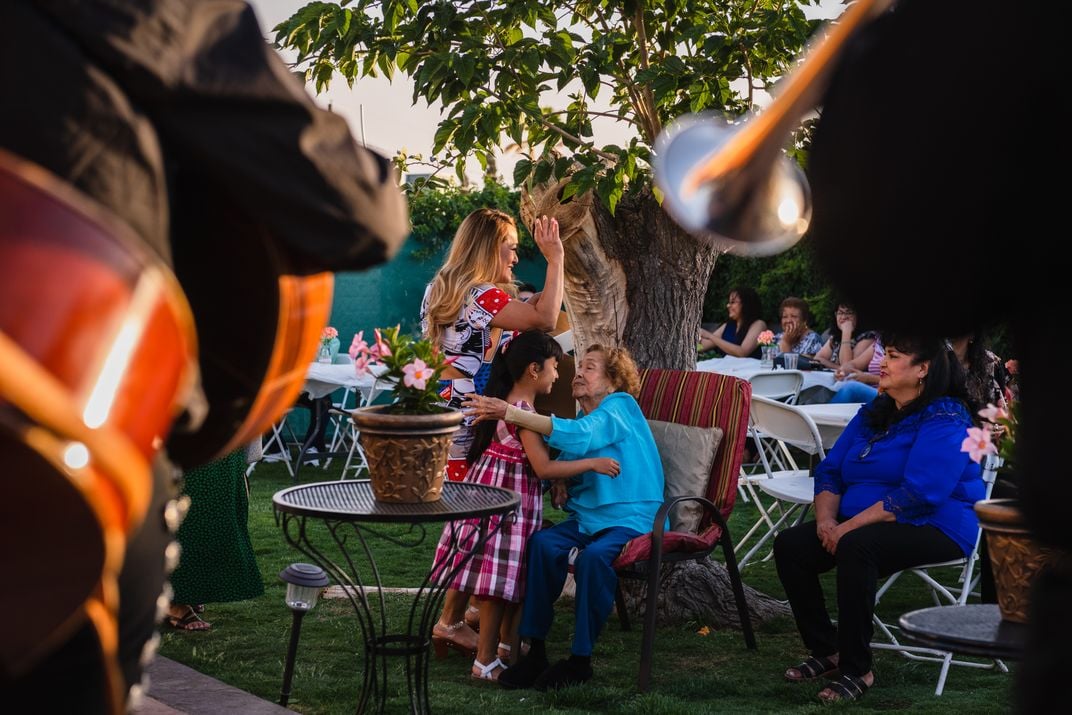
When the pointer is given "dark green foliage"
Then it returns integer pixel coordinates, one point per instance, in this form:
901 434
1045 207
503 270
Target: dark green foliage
494 65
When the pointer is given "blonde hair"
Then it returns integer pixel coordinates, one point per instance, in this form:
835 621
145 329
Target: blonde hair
620 368
473 259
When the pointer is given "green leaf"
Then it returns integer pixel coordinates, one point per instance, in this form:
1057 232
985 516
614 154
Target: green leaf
513 36
521 171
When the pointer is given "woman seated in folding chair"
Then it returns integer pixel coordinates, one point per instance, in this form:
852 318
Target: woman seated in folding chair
604 513
894 492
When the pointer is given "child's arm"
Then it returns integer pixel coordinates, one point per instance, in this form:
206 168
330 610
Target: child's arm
546 468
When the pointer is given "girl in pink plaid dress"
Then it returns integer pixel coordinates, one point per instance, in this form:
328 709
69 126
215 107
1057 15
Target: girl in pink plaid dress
505 456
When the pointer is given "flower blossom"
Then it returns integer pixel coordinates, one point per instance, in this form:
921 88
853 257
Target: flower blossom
329 333
993 413
361 365
358 346
381 348
766 338
977 444
417 374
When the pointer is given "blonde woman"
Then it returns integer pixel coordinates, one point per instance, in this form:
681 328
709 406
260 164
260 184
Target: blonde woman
465 310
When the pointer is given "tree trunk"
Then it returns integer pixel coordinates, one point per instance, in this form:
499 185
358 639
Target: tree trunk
701 591
695 591
634 279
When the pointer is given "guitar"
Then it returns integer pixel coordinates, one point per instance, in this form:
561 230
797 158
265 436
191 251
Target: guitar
98 356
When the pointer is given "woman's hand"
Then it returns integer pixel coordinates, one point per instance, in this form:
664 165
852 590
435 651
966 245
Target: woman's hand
846 372
547 239
484 408
830 533
846 324
606 465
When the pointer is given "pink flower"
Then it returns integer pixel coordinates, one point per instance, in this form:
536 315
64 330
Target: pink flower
381 347
766 338
417 374
977 444
329 333
358 346
993 413
361 365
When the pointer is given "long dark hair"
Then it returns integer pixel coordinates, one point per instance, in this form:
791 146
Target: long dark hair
751 308
510 363
945 378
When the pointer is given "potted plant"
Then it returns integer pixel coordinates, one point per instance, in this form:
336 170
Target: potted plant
405 442
1015 557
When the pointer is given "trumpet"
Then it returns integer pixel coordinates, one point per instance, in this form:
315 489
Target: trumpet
730 181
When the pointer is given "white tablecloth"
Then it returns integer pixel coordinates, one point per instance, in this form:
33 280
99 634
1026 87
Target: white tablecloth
745 368
323 379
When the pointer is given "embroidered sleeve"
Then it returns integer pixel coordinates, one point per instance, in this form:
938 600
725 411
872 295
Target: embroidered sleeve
484 303
934 465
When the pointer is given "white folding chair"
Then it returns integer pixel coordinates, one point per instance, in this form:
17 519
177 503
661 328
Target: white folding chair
781 385
792 488
953 595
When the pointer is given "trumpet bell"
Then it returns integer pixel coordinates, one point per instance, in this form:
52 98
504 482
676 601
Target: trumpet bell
757 208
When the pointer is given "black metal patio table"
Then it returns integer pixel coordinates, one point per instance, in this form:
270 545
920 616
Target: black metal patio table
975 629
347 509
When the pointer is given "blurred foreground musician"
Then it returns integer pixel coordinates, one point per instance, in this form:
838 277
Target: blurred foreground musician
934 158
140 142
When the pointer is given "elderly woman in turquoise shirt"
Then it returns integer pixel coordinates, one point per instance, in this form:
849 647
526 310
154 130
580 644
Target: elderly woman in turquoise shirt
894 492
604 513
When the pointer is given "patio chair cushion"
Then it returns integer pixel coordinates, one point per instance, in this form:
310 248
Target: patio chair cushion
687 454
639 548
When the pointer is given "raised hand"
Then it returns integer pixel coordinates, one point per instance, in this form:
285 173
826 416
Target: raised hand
547 239
484 408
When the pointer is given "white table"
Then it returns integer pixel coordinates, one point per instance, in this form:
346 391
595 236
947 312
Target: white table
745 368
831 419
322 379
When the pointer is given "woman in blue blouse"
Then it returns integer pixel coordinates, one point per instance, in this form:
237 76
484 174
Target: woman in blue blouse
604 513
739 335
894 492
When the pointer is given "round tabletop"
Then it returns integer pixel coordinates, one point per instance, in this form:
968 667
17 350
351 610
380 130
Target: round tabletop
976 629
352 500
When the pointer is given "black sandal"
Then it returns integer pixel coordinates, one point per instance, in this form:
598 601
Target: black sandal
813 669
848 688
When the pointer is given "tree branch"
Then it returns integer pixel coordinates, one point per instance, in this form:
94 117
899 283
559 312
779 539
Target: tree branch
654 125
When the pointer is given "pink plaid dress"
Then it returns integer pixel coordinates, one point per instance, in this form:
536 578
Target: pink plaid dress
498 570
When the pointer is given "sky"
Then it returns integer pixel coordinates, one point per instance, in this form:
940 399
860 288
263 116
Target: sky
384 115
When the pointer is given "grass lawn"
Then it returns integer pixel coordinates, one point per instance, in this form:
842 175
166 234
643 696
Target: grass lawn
692 674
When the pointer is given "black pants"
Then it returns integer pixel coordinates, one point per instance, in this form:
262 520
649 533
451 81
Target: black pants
863 556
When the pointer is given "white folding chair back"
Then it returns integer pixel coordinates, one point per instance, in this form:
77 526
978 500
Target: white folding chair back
950 595
791 487
782 385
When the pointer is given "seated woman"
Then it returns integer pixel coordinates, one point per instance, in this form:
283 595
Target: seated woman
860 385
894 492
739 335
848 342
604 513
796 335
985 376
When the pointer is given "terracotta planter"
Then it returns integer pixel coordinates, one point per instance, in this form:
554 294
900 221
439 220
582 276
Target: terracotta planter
1016 558
406 453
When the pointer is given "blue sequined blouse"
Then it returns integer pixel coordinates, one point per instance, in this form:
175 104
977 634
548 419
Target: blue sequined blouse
915 468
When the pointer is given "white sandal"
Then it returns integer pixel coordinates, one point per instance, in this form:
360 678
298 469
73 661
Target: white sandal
505 650
487 672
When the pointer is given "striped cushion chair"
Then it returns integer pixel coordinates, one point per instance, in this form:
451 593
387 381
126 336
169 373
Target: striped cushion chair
699 399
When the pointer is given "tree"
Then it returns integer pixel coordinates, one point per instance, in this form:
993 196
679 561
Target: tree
632 276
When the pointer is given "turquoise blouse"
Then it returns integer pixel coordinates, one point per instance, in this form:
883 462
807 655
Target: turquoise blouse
617 429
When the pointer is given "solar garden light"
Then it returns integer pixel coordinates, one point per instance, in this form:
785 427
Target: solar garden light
304 582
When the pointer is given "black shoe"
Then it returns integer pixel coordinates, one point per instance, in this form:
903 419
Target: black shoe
525 673
563 674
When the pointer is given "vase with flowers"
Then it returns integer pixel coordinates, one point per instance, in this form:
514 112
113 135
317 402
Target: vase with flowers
405 442
329 345
1015 557
767 348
